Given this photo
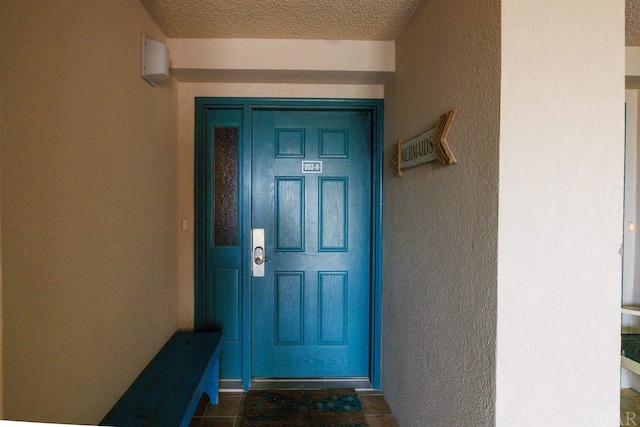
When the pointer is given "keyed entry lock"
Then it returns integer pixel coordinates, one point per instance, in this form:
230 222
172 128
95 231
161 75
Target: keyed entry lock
257 252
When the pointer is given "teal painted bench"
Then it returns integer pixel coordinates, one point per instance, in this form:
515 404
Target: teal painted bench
167 392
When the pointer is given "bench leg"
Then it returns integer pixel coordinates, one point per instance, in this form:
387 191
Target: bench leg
212 386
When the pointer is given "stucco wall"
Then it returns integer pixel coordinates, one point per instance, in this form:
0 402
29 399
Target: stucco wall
440 223
560 212
89 190
1 327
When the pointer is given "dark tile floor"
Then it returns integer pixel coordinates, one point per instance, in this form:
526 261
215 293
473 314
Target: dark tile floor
629 407
228 411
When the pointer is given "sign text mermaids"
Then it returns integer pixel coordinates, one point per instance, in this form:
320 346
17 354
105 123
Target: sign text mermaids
418 150
428 146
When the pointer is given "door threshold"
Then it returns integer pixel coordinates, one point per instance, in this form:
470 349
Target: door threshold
309 383
230 386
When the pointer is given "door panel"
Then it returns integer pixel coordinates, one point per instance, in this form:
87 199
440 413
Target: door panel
222 291
311 193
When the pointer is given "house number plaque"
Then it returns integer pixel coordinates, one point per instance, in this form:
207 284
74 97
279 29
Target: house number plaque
309 166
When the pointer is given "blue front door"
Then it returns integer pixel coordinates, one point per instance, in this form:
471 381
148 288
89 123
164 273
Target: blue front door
311 193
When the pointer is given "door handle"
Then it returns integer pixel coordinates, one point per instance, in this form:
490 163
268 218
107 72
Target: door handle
257 253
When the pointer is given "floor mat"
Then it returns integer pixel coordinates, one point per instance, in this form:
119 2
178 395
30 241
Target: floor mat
303 408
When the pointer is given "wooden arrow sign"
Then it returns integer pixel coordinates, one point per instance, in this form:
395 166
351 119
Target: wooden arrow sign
426 147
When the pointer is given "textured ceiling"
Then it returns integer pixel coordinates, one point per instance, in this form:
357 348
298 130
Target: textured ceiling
633 23
282 19
304 19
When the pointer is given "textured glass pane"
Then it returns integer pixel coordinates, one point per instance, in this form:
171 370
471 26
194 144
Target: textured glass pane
225 191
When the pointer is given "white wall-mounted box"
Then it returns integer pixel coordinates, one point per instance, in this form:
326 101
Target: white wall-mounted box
155 61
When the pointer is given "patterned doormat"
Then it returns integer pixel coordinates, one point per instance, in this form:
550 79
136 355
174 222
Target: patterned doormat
303 408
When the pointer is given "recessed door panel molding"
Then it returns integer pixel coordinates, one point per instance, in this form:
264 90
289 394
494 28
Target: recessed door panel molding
334 143
333 307
289 219
333 214
289 308
223 305
226 285
289 143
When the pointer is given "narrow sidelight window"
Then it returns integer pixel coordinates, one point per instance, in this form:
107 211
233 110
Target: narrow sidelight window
225 191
